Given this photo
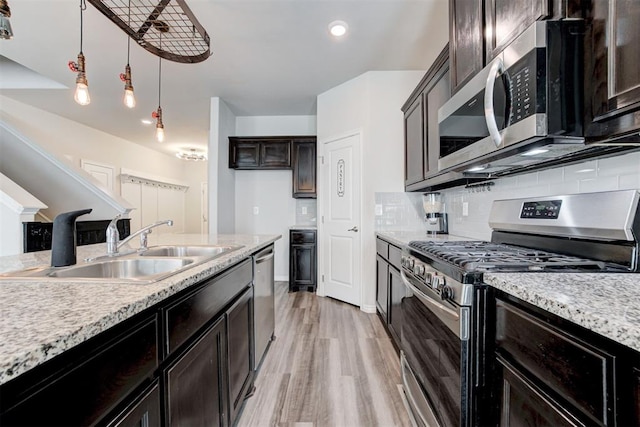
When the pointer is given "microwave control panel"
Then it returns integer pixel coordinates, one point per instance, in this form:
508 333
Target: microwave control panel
524 76
547 209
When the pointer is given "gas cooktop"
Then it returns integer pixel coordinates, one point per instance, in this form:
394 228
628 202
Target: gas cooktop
480 256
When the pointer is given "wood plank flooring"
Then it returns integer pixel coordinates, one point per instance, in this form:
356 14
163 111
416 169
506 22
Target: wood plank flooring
330 365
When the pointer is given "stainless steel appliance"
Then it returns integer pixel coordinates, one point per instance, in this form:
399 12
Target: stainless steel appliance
523 108
443 332
264 300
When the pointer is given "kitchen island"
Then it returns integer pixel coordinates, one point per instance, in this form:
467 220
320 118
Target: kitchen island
44 318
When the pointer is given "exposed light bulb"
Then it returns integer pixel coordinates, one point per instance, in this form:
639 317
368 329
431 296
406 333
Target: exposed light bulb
82 94
160 132
129 98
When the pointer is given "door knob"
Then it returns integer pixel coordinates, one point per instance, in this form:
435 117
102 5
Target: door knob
354 229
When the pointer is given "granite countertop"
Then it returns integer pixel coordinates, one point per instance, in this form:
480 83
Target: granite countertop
608 304
402 238
42 318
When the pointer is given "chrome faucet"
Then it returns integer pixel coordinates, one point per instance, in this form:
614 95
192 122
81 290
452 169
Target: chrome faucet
113 237
114 245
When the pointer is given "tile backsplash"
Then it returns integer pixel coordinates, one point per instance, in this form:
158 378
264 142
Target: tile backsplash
468 208
306 212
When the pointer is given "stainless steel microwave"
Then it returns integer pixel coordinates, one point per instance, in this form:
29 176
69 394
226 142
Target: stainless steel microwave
524 107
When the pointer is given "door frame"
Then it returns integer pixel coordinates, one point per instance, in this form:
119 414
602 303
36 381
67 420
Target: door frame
320 290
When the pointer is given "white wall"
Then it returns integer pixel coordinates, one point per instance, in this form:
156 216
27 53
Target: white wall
370 103
269 191
65 138
222 187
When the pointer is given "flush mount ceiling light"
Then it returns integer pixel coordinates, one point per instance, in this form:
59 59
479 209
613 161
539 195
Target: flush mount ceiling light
6 33
81 95
338 28
192 154
188 41
146 121
129 97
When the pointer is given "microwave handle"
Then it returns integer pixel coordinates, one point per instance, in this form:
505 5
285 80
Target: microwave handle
489 114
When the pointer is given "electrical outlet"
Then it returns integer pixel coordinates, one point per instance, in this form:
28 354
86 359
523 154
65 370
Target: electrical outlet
256 210
304 210
465 208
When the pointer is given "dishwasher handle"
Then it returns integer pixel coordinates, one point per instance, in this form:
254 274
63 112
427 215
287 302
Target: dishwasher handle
261 257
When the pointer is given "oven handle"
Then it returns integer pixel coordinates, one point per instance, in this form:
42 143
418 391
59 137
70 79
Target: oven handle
489 113
437 308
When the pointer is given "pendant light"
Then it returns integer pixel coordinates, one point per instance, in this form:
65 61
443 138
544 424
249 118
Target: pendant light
129 97
162 28
6 33
82 85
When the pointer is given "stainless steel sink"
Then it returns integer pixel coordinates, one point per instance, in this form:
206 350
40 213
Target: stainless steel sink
131 268
209 252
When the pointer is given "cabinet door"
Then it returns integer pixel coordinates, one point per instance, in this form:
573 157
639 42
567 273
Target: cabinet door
414 142
196 383
612 57
507 19
275 154
439 93
396 293
239 347
304 170
303 267
382 287
466 40
635 410
143 413
246 155
521 403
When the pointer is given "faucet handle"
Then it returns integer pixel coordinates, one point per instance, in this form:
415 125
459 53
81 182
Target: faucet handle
113 236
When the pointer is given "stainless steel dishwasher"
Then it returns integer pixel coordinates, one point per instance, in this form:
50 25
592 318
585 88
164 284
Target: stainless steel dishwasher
264 302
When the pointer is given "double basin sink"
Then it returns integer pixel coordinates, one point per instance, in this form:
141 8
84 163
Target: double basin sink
146 266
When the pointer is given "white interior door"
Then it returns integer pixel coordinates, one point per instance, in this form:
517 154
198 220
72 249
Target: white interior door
341 213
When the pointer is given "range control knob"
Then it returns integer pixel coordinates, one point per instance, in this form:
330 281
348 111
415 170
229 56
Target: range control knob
427 279
403 261
411 263
419 270
437 282
446 293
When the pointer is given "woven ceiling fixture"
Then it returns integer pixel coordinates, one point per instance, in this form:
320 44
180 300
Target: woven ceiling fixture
186 42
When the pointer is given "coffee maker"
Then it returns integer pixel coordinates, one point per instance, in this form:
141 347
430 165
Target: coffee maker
435 217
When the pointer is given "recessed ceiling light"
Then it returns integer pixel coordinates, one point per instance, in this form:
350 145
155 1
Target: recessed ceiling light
535 152
476 169
338 28
146 121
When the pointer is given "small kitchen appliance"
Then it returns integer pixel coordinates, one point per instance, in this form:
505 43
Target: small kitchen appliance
443 309
435 217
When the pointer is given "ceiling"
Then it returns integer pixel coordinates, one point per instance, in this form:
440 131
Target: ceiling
270 57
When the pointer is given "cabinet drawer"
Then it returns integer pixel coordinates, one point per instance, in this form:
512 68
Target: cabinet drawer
382 248
395 256
579 373
195 310
298 236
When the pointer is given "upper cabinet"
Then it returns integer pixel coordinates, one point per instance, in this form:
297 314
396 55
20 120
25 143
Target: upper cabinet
611 70
466 42
278 152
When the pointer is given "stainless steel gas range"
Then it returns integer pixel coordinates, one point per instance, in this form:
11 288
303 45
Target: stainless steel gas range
444 317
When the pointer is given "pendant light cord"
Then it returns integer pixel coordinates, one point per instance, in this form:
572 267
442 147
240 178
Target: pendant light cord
129 37
83 7
160 73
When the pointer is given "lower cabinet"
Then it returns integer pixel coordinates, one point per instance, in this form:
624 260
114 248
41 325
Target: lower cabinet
144 412
302 260
240 337
389 287
196 382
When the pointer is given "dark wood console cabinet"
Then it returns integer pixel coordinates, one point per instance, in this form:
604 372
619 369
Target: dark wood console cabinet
302 260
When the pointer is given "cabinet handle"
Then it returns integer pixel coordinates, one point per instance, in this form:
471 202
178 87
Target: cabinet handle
354 229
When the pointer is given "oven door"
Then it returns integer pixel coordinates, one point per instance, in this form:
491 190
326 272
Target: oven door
435 337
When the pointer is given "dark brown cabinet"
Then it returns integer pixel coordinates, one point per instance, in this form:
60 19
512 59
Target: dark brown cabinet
259 152
144 412
415 143
239 338
196 383
302 260
611 70
304 169
466 40
390 288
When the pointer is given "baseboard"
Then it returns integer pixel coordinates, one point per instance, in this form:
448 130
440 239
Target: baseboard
371 309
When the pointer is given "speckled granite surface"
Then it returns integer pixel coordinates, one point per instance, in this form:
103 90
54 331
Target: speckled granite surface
402 238
608 304
40 319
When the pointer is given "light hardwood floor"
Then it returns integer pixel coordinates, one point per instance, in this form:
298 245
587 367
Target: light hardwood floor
330 365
